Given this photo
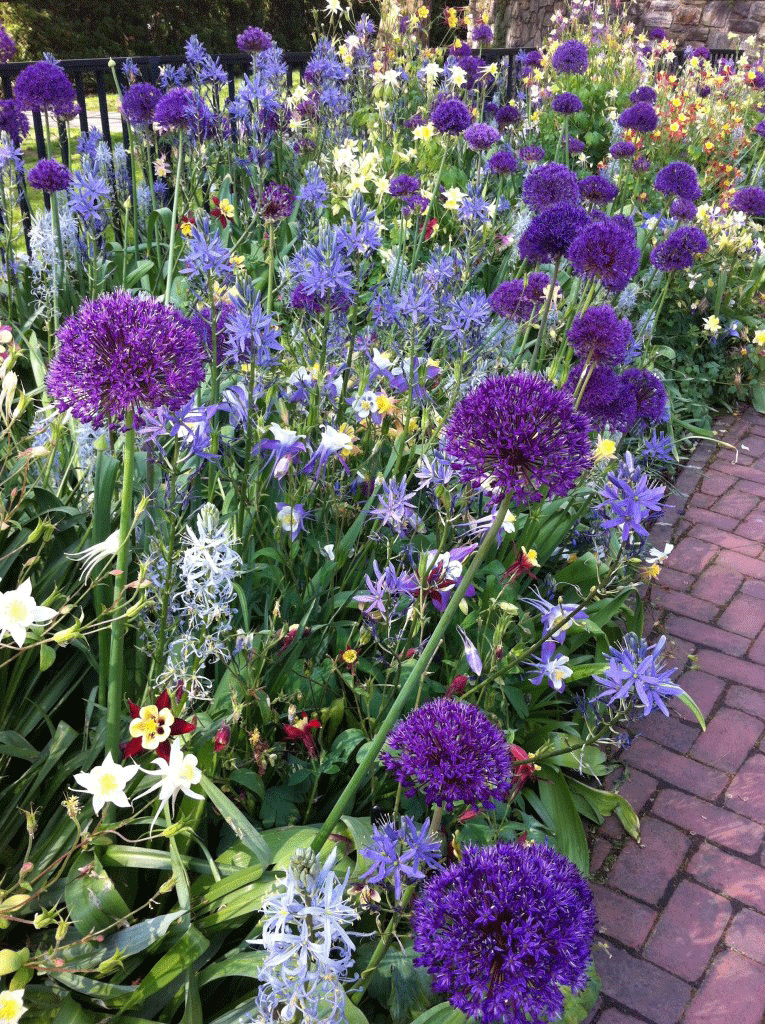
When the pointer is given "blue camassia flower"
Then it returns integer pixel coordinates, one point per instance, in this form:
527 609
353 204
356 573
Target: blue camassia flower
636 675
629 500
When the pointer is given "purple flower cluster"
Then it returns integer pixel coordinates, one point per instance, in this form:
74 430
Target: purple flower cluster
599 336
679 249
566 103
636 674
507 116
604 400
44 87
401 854
531 154
49 176
750 201
551 233
120 354
629 501
480 136
598 190
139 102
683 209
503 929
403 185
520 299
548 184
7 46
640 117
644 94
451 117
503 162
254 40
649 394
13 121
518 435
452 753
571 58
483 33
606 251
622 149
276 201
678 179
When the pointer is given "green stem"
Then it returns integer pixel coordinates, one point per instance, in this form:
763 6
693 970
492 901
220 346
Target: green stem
364 769
116 651
173 219
545 315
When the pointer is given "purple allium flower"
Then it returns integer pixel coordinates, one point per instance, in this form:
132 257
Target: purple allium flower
503 929
483 33
621 149
7 46
474 68
531 59
480 136
649 393
657 34
641 164
567 103
644 94
598 190
678 250
750 201
404 185
49 176
254 40
518 299
120 353
571 58
503 162
275 203
401 854
760 129
628 501
507 116
44 87
599 336
604 400
174 109
640 117
702 52
450 117
548 184
452 753
550 234
139 103
683 209
14 122
575 145
606 251
636 674
531 154
678 179
518 435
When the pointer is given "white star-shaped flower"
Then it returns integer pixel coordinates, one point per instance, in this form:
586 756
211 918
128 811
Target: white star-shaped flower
106 784
177 775
19 611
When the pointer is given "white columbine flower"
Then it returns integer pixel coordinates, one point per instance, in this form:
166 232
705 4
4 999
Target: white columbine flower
90 557
177 775
19 611
12 1006
106 784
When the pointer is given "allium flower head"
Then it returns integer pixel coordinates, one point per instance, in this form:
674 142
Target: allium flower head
503 162
44 87
254 40
548 184
482 33
621 149
750 201
507 116
644 94
550 234
49 176
518 435
678 179
120 353
450 117
605 400
598 335
640 117
683 209
520 299
276 202
13 121
139 103
452 753
480 136
502 930
7 46
175 109
566 103
679 249
598 190
571 58
606 251
404 185
649 393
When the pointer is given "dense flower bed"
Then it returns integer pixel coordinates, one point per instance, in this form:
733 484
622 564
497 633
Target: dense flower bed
334 421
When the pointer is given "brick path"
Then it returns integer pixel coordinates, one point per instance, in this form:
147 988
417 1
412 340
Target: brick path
682 915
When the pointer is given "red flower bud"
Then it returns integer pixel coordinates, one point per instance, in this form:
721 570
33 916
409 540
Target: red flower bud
457 686
222 737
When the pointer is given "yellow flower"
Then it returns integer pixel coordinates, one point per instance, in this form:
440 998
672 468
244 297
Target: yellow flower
453 197
152 725
605 449
531 557
423 13
424 132
350 656
759 337
712 324
386 405
226 207
186 227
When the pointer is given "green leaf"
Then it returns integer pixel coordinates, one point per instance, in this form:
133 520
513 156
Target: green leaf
192 1011
604 803
70 1012
283 842
359 830
577 1007
568 835
234 818
691 703
170 967
444 1013
241 964
47 656
250 780
91 898
13 744
142 267
137 938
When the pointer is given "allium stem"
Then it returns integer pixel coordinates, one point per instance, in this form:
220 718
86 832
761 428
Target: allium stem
538 344
173 219
116 659
364 769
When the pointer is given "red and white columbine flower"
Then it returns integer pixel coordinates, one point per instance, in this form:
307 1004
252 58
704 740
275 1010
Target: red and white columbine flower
153 725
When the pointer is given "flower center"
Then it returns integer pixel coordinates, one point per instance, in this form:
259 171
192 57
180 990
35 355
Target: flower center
108 784
17 611
152 725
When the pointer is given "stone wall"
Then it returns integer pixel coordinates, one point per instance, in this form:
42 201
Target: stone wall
526 22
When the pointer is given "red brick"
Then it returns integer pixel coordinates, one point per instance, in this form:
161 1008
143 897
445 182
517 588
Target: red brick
691 556
746 794
736 504
646 870
621 918
703 688
612 1016
637 788
757 650
732 876
735 669
716 584
745 615
716 483
707 636
724 539
742 472
704 819
754 445
684 604
641 986
751 487
600 851
699 500
744 699
734 989
709 518
688 931
753 527
681 771
729 737
747 935
674 579
669 732
747 566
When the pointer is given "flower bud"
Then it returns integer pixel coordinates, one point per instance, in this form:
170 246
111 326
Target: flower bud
222 737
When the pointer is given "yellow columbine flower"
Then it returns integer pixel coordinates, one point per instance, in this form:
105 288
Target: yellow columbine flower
759 337
226 207
453 197
350 656
386 406
424 132
605 449
712 324
152 726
